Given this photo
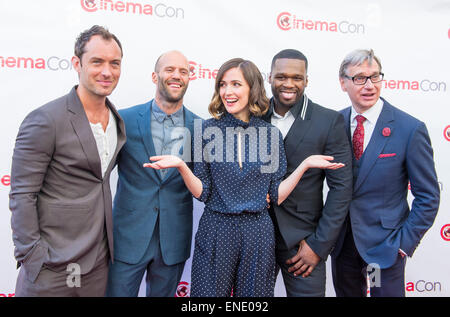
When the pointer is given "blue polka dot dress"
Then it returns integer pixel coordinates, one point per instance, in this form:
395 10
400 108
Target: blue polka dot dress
235 242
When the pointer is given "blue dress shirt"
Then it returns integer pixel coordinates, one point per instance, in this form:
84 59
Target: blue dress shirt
164 135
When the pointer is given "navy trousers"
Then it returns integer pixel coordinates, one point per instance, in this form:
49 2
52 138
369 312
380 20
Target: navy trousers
124 279
350 274
234 255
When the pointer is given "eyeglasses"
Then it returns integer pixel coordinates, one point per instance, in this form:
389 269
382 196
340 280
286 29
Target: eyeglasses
362 80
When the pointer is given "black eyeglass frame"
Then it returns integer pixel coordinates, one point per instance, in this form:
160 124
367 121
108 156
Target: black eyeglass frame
366 78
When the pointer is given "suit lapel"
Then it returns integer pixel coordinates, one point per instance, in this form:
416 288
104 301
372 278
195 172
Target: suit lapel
346 113
298 131
83 130
121 139
144 123
376 144
121 135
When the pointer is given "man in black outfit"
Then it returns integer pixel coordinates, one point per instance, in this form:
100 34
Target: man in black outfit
306 228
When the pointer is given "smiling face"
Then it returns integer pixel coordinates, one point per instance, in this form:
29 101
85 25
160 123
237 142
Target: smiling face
363 97
99 68
171 77
234 92
288 81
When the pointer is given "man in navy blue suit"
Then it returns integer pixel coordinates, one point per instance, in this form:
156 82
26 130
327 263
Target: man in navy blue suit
390 149
153 209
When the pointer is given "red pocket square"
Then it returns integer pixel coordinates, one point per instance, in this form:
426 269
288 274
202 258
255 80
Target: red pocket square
387 155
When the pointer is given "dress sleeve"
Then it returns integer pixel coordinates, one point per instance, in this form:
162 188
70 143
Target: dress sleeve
278 160
202 169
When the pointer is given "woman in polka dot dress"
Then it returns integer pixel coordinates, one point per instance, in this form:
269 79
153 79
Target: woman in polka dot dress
243 161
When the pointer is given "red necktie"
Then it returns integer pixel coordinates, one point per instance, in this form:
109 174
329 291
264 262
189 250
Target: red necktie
358 137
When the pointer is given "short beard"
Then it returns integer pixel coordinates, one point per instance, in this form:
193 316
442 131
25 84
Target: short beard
276 98
167 96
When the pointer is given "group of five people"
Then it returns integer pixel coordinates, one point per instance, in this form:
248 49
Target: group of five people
258 165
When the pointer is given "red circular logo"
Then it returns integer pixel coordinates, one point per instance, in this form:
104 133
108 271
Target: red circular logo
89 5
445 232
192 70
447 133
284 21
183 290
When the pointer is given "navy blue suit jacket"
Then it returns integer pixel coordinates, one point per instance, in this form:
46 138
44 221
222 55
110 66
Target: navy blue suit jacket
381 219
142 195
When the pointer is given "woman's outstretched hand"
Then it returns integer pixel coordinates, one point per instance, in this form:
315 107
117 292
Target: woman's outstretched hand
313 161
321 161
193 183
164 161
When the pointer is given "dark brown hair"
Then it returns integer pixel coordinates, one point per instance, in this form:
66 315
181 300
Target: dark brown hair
258 101
86 35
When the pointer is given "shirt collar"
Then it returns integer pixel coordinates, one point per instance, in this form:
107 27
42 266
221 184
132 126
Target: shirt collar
275 115
371 114
295 109
230 119
177 117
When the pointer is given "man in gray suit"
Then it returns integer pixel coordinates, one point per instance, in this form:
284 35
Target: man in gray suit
60 193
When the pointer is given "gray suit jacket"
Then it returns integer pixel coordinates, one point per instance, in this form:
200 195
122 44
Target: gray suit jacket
59 200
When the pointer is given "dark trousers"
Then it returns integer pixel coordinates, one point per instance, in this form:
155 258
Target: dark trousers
298 286
234 255
350 273
124 279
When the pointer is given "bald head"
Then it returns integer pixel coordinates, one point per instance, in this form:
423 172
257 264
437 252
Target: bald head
169 56
171 77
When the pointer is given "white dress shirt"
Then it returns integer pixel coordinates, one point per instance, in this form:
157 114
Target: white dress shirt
282 123
371 116
106 141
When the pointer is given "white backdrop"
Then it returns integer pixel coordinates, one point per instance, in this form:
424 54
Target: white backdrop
412 38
